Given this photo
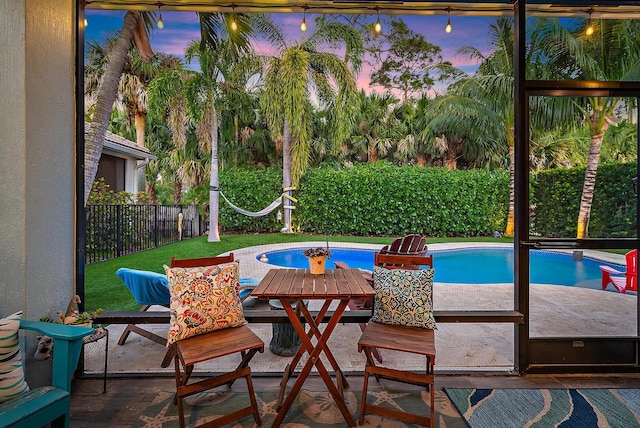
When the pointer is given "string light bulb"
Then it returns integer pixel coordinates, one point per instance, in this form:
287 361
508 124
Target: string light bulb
448 28
589 30
86 23
378 27
234 24
160 22
303 25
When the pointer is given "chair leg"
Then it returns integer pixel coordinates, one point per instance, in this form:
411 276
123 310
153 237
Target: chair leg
252 397
363 401
132 328
177 399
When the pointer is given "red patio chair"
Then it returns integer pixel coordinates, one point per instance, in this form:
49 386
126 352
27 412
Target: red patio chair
628 282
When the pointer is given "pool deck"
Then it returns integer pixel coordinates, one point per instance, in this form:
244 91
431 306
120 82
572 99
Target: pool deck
556 311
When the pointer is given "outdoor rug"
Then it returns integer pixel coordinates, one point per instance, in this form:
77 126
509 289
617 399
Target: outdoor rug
546 408
311 409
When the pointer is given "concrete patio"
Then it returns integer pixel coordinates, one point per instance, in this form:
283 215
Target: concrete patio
555 311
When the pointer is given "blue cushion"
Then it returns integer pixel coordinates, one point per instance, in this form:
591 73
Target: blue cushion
246 282
148 288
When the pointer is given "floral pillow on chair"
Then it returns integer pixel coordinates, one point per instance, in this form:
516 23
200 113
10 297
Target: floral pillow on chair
404 297
203 299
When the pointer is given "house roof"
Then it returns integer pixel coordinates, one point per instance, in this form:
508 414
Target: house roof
116 144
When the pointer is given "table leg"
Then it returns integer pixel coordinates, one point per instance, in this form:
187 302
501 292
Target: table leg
302 332
314 359
314 329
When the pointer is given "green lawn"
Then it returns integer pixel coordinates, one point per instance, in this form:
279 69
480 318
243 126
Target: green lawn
104 290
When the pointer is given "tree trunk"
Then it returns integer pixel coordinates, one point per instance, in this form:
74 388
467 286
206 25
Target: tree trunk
508 231
177 191
105 99
141 123
451 162
589 185
214 183
151 191
286 174
372 154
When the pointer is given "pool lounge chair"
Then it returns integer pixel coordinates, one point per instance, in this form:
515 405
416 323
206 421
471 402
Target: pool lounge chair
622 281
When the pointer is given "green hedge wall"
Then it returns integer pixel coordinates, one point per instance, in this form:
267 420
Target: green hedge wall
251 190
557 202
383 199
379 199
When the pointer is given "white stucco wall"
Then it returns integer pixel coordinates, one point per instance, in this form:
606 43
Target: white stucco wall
37 156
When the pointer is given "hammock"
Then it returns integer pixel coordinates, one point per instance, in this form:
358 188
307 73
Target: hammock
260 213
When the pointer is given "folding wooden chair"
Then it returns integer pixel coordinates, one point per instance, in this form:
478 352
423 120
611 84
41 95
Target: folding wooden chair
414 340
201 261
409 245
209 346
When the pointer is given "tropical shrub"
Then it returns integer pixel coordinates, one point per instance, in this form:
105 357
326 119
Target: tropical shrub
557 195
250 190
383 199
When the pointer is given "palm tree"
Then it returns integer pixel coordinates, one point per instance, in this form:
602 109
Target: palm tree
199 92
375 131
300 72
488 97
613 54
456 128
133 30
134 81
492 90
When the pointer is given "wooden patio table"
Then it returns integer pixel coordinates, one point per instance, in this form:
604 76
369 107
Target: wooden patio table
294 285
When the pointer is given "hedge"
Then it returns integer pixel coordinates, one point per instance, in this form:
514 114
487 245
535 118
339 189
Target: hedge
379 199
250 190
385 200
556 202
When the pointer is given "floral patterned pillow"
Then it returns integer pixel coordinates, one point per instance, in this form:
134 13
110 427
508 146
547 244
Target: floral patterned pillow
403 297
203 299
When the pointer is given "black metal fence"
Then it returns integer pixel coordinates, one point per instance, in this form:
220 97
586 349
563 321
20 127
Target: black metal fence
116 230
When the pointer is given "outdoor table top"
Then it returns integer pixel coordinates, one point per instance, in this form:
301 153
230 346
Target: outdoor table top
302 284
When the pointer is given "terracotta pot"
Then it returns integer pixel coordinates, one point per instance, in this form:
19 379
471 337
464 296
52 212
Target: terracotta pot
317 264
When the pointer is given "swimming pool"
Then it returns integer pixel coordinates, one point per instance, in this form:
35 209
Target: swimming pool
478 265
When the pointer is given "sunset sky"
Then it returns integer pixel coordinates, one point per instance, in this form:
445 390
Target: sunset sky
182 27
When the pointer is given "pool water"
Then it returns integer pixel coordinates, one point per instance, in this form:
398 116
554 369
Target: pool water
480 265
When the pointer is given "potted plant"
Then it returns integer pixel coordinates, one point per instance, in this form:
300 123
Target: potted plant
72 316
317 259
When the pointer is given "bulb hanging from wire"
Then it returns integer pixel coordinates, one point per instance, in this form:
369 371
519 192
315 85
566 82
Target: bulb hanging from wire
160 22
448 28
234 24
86 23
303 25
378 27
589 30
